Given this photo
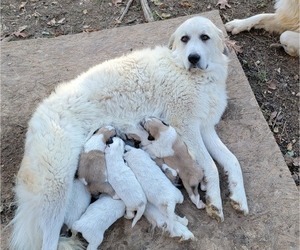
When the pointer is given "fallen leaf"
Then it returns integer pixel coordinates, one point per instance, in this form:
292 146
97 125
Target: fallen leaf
52 22
289 147
157 2
22 5
61 21
296 161
185 4
85 12
20 34
22 28
275 130
223 4
232 45
272 117
116 2
165 15
272 84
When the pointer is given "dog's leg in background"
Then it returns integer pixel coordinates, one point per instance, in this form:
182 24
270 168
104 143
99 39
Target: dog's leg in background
290 42
268 22
192 137
231 166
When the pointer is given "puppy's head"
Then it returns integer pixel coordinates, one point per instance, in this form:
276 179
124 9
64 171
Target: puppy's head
197 43
154 127
116 147
108 132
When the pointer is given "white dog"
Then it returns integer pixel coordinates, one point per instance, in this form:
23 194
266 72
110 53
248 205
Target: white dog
124 181
284 21
98 217
169 150
158 188
183 84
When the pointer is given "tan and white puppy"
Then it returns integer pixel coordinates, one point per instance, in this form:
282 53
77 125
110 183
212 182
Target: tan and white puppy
99 216
124 181
157 187
285 21
92 166
168 148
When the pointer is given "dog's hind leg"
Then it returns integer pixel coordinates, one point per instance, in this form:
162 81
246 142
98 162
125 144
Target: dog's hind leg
231 167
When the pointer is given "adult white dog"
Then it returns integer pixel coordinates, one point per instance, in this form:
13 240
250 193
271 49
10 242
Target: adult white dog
183 84
285 21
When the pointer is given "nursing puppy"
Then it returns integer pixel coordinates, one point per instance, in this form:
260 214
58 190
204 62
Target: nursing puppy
157 219
99 216
285 21
124 181
184 84
168 148
92 166
157 187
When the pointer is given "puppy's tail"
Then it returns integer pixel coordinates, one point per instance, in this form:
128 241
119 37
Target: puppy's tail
139 213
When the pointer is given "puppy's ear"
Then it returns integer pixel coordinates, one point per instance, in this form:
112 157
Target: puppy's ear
221 42
171 42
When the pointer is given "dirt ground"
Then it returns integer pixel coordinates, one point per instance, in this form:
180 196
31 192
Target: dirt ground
273 75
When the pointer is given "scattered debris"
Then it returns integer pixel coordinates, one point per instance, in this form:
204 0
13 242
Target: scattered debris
147 11
119 20
272 84
223 4
232 45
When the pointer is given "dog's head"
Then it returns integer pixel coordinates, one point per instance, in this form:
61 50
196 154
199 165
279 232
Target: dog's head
197 43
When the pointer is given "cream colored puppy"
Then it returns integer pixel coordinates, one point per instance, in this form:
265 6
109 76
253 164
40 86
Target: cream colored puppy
92 166
285 21
166 147
157 187
99 216
124 181
183 83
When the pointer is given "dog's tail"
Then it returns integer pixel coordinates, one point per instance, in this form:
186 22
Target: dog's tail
139 213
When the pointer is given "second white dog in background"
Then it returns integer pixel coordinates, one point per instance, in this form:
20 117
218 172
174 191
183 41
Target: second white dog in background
285 21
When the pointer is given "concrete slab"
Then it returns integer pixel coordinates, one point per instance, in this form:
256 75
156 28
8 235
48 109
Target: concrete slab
31 69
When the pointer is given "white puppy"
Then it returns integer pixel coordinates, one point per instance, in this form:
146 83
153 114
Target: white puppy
168 148
92 166
157 219
124 181
78 203
285 21
157 187
98 217
184 84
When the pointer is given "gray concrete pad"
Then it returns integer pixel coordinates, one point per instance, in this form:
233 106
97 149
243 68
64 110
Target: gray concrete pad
31 69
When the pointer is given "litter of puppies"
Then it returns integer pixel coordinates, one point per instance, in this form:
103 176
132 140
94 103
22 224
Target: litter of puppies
133 181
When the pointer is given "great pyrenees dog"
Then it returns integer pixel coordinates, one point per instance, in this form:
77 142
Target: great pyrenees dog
184 84
285 21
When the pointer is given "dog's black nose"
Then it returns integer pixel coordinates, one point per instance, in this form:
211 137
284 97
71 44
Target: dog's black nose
194 58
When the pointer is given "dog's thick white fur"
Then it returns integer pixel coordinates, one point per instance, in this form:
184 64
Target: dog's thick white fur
168 150
163 194
184 84
285 21
98 217
92 166
78 203
124 182
158 219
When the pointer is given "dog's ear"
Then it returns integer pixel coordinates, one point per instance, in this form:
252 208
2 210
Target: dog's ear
171 42
221 42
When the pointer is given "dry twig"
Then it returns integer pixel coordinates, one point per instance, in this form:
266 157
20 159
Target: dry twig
147 11
125 11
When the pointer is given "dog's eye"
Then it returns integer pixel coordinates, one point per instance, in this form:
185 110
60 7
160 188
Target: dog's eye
204 37
185 39
165 123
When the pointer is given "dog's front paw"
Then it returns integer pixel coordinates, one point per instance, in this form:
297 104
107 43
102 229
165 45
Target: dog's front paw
214 212
239 204
235 26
